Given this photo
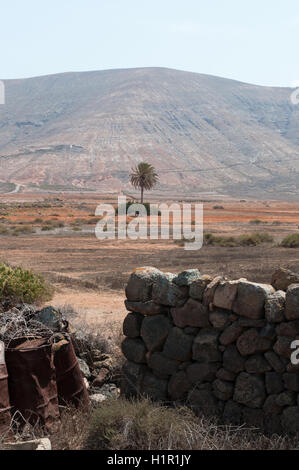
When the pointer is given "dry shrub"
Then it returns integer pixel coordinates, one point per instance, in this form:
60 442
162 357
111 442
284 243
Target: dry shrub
106 338
70 433
257 222
291 241
23 230
120 424
78 222
255 239
73 432
251 239
52 225
3 230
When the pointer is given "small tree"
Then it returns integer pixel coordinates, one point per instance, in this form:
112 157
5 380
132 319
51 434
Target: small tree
144 177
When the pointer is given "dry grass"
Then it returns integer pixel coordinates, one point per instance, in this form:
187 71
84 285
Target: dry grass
106 339
120 424
80 261
73 431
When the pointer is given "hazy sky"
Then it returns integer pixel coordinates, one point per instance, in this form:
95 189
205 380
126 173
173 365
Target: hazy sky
250 40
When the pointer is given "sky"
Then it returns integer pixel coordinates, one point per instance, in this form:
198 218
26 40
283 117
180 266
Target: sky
254 41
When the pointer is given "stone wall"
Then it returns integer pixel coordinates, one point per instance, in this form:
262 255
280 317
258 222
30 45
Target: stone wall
223 347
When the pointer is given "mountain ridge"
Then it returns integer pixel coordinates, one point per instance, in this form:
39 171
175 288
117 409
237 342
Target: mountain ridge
203 133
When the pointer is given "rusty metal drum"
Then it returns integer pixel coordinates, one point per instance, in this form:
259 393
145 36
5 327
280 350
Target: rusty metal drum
32 381
5 416
70 382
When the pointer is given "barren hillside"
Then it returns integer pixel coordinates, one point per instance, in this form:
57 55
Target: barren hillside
203 133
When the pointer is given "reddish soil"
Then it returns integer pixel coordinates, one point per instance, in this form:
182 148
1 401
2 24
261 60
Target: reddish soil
91 274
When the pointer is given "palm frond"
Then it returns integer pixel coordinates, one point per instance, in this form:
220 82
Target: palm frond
144 176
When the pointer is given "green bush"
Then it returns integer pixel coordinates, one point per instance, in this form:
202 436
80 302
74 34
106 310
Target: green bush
21 285
291 241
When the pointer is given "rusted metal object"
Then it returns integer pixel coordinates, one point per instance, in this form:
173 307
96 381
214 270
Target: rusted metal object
5 417
70 383
32 381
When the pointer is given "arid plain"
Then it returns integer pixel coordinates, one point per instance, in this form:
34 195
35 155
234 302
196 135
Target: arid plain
53 234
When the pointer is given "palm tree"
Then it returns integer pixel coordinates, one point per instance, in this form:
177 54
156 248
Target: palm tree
144 176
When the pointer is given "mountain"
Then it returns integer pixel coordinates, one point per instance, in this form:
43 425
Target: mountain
203 133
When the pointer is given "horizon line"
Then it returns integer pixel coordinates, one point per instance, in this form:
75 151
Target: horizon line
144 68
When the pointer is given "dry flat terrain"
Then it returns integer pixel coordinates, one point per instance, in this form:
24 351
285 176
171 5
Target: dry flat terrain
90 274
202 133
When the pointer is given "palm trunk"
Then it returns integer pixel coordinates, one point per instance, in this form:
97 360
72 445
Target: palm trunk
142 194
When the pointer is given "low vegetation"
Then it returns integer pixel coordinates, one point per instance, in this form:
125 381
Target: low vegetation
52 225
253 239
139 424
3 230
276 222
21 285
120 424
291 241
16 230
257 222
23 229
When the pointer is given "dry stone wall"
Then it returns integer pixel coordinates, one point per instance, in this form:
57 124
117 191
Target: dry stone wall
222 347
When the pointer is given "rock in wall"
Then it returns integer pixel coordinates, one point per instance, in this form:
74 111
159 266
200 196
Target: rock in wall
222 347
